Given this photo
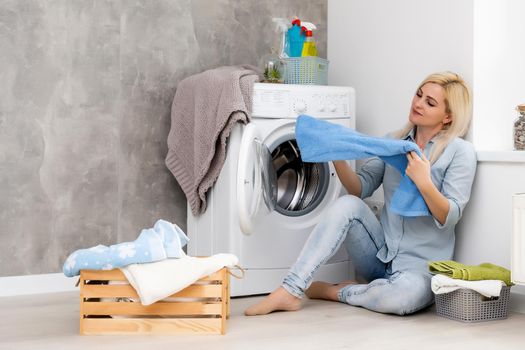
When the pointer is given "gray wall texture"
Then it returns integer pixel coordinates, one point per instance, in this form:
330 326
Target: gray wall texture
85 95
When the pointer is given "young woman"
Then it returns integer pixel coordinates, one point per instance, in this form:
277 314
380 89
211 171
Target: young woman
391 253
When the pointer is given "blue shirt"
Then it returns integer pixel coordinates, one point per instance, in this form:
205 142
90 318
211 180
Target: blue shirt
412 241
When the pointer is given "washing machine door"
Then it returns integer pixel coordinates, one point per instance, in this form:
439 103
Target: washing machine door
256 180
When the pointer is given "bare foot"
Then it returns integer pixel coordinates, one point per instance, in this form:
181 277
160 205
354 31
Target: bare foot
278 300
326 291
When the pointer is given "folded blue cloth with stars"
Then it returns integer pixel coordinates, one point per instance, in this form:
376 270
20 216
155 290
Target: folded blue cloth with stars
164 240
322 141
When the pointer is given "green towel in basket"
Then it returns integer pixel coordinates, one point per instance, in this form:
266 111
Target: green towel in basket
485 271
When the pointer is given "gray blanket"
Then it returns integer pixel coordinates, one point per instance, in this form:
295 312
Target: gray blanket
205 109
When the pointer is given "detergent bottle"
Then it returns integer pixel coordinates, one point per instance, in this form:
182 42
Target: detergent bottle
309 48
295 38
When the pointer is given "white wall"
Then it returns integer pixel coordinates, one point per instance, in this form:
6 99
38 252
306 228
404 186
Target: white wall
484 232
384 49
499 71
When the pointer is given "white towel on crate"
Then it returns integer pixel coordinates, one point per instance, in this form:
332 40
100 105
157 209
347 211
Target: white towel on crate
158 280
442 284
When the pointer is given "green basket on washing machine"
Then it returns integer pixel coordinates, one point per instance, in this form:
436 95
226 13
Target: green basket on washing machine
306 70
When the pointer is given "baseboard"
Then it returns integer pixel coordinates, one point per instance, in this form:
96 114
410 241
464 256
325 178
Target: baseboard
36 284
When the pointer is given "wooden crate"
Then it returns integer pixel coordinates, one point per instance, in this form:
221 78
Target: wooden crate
106 308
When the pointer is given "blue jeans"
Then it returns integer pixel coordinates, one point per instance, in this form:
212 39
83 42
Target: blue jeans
350 219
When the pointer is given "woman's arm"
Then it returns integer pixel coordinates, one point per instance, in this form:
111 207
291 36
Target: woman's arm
418 170
348 177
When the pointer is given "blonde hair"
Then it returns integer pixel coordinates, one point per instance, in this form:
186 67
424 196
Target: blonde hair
457 104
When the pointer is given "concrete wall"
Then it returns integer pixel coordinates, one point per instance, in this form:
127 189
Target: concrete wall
85 95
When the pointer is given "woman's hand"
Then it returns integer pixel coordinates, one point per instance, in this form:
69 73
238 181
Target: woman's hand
418 169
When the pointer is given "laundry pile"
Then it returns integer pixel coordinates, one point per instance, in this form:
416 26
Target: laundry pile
154 264
487 279
156 281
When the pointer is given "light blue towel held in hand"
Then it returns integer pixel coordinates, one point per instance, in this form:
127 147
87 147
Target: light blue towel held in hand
322 141
164 240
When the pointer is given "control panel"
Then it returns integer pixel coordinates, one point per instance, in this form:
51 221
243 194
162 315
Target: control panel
289 101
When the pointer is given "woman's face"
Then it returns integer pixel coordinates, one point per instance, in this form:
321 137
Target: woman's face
428 107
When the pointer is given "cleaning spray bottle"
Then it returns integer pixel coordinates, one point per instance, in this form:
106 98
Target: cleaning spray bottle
295 38
309 48
272 62
282 27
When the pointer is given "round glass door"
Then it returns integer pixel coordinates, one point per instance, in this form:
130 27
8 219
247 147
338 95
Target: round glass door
300 186
256 182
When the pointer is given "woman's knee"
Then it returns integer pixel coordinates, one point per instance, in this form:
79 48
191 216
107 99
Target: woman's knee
349 206
413 293
404 293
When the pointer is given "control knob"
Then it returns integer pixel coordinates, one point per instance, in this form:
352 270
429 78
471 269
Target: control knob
300 107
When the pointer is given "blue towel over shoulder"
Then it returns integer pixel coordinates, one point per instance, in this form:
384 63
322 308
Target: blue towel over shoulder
322 141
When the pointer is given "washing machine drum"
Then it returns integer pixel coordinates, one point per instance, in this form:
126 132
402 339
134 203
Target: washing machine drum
300 186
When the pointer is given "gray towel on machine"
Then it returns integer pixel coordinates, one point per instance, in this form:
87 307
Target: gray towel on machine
205 109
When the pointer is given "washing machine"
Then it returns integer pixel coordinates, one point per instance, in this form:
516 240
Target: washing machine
266 200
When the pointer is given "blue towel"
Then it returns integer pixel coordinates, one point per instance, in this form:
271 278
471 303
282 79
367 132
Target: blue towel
164 240
321 141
